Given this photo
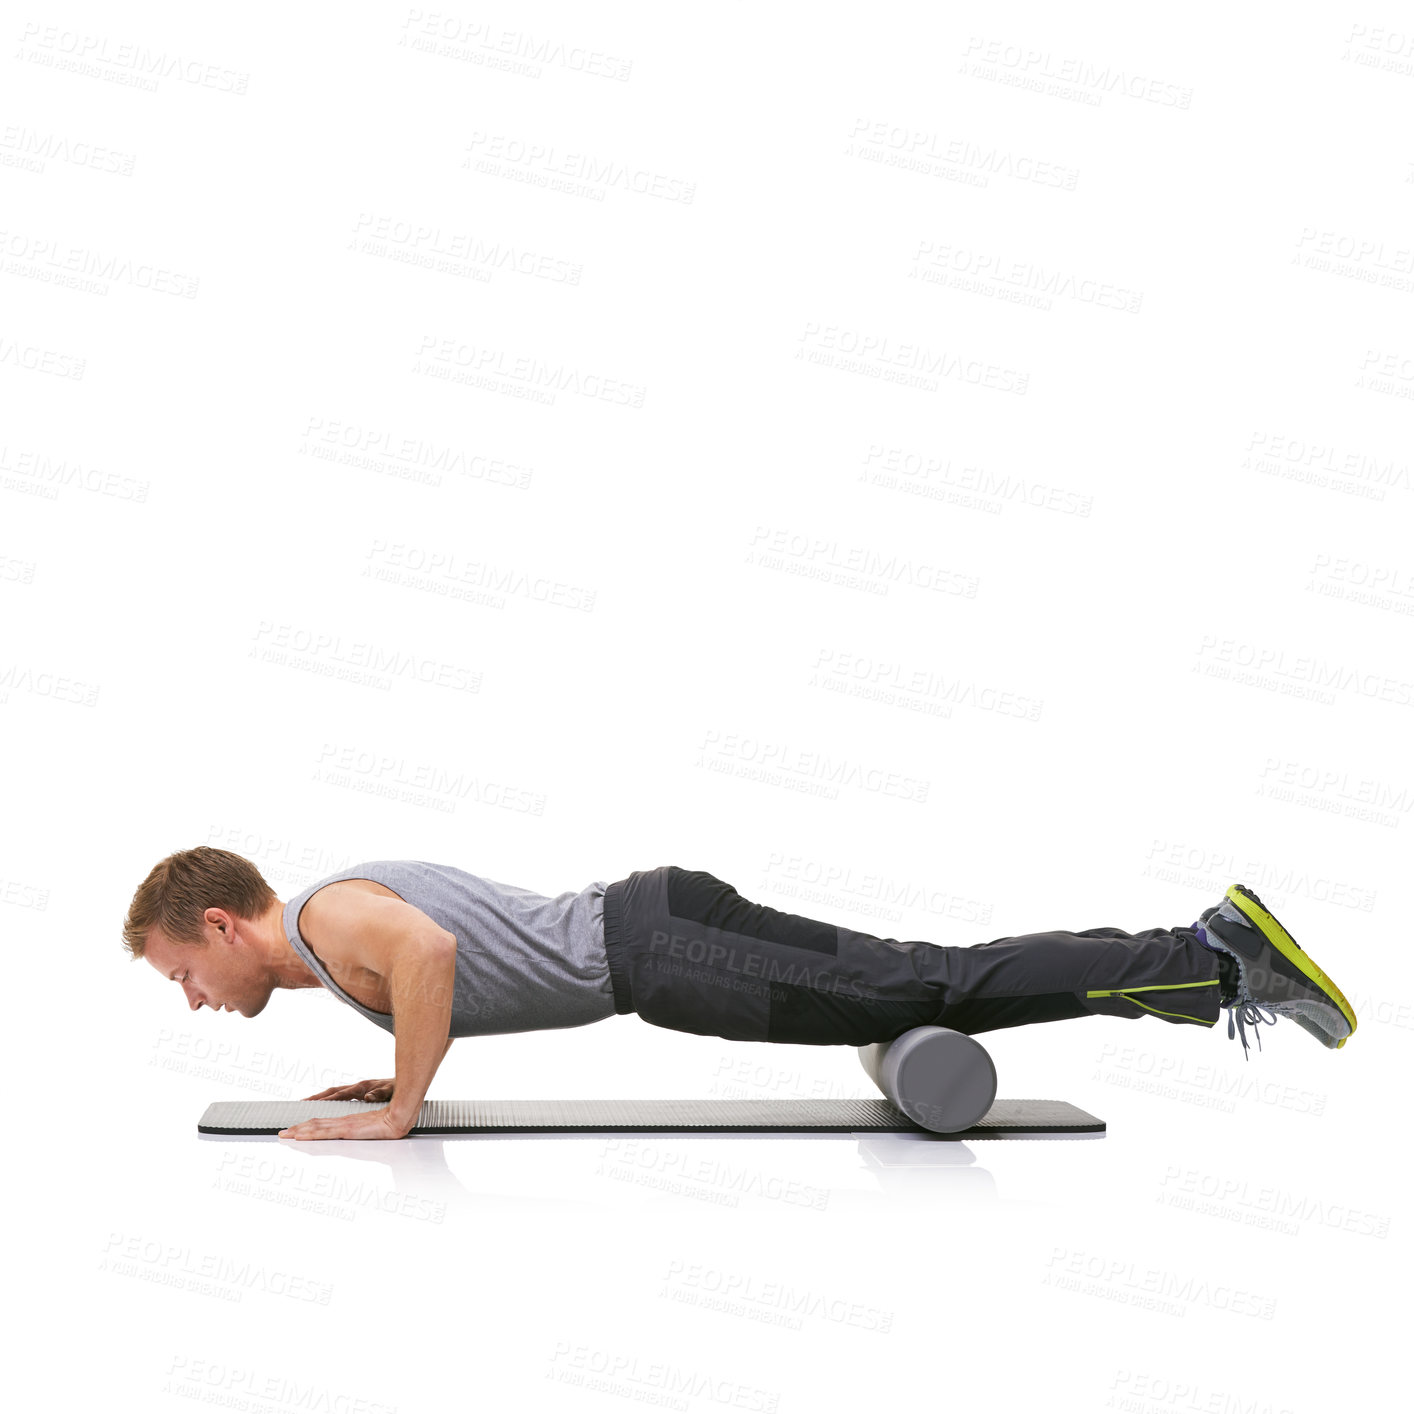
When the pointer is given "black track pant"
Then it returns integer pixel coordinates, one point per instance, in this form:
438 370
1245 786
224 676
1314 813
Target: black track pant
688 952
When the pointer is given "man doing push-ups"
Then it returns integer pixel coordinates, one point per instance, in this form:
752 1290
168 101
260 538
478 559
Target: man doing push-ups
431 952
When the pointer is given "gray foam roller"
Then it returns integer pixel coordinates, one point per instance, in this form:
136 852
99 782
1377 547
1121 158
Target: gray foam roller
941 1079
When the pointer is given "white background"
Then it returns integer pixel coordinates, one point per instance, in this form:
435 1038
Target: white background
943 472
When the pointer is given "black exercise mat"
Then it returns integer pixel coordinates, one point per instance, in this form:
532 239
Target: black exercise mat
1006 1118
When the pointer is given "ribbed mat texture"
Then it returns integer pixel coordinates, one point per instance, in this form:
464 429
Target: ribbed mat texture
477 1116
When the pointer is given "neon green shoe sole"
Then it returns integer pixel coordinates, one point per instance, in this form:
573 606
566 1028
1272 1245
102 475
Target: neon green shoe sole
1255 911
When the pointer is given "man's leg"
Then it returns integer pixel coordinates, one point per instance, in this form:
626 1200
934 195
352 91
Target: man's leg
688 952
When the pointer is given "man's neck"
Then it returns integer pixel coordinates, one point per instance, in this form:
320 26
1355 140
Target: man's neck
288 968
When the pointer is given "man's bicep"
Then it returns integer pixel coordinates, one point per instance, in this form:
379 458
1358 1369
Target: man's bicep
359 929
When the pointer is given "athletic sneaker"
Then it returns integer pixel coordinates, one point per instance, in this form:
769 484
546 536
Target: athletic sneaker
1274 974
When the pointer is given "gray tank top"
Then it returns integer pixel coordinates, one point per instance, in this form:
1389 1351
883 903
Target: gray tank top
525 962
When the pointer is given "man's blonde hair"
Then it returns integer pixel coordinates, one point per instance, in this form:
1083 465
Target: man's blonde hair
179 890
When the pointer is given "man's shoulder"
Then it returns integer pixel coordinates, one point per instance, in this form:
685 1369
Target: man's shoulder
361 922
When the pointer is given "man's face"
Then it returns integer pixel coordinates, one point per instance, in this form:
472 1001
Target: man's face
220 972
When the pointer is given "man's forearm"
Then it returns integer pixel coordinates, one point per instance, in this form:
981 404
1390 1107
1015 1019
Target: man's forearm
422 985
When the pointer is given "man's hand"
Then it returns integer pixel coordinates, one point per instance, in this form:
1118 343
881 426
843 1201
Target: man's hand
359 1090
363 1124
351 1126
